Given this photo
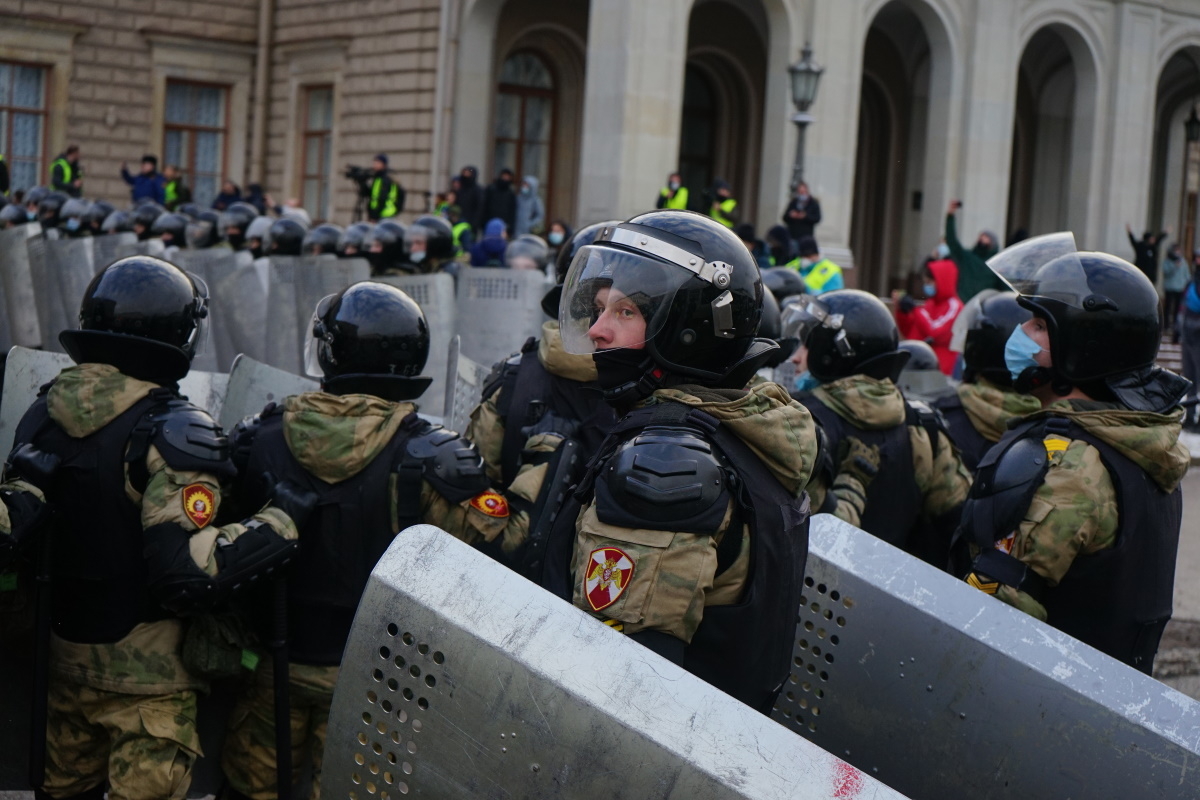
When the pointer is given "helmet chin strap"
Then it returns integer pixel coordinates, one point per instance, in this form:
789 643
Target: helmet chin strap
1033 378
627 376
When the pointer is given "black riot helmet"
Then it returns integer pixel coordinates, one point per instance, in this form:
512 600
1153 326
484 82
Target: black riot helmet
12 215
143 219
783 282
562 262
667 297
353 241
286 237
847 332
989 324
771 326
235 220
322 239
97 212
385 246
921 357
142 315
189 210
118 222
370 338
529 252
171 228
1103 322
204 230
34 196
71 216
49 209
432 236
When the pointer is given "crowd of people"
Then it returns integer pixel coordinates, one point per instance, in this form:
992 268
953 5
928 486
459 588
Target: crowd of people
659 350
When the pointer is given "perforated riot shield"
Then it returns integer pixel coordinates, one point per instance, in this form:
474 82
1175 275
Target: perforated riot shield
26 371
464 387
110 247
21 322
942 691
498 309
150 247
435 295
61 270
463 680
253 384
216 267
295 284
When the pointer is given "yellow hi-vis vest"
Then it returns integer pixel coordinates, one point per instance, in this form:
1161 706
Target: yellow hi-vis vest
723 208
679 201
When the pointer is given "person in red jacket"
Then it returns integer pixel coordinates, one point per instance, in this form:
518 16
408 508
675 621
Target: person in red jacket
933 321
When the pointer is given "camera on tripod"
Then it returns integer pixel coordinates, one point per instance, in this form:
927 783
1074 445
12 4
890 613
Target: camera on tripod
360 175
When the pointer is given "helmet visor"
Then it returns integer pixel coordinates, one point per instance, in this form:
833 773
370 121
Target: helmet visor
198 233
804 314
319 339
614 299
1017 265
197 343
526 253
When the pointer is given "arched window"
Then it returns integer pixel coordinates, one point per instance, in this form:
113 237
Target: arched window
525 118
697 138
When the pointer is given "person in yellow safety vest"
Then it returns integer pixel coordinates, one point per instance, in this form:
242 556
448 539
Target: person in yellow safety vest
66 175
674 195
820 274
724 207
175 192
386 195
460 229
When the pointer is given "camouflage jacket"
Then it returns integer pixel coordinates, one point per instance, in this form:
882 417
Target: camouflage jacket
674 574
872 404
990 408
1074 512
84 399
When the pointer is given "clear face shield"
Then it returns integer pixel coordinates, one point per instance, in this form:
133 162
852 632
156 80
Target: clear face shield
320 340
804 314
1017 265
526 252
198 234
197 343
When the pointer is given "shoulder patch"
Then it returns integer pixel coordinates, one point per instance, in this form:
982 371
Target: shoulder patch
1055 447
198 502
608 574
491 503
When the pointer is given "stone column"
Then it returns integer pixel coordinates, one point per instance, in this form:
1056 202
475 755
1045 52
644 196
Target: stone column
633 102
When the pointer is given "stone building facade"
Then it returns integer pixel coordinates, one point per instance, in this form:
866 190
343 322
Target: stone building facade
1037 114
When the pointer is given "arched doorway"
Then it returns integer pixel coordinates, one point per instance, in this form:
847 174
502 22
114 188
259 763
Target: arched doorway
1053 130
900 178
524 127
720 130
1175 179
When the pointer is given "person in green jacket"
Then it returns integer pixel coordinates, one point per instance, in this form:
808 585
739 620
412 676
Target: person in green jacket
66 174
973 273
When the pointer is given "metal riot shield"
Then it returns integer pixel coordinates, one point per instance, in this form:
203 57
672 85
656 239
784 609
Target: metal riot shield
216 266
942 691
110 247
295 285
461 680
150 247
243 297
61 271
16 276
253 384
925 385
26 371
464 387
498 310
435 295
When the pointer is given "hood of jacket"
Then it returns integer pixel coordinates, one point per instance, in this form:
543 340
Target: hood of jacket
945 278
774 426
864 402
336 436
990 408
86 397
986 252
533 185
1147 439
558 361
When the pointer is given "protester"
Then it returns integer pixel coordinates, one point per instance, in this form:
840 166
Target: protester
489 251
802 213
230 194
933 322
470 197
1191 343
499 200
531 214
148 183
1145 251
973 273
782 248
1175 281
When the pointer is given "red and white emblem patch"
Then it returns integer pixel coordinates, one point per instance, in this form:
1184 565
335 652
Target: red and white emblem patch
490 503
198 504
608 575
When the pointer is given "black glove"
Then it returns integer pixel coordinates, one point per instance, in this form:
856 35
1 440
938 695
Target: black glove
553 424
298 503
907 304
33 465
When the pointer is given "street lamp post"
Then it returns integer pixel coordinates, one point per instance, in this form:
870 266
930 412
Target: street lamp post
1191 180
806 76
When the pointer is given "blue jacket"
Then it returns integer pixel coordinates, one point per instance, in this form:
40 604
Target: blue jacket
145 186
489 252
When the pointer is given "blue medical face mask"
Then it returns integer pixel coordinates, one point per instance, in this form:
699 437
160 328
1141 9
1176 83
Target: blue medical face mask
943 250
555 237
805 382
1020 352
930 289
30 215
73 224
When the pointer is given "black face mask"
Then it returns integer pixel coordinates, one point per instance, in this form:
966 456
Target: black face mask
503 183
256 250
236 240
626 376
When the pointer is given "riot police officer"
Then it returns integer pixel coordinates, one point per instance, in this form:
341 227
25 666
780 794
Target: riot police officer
376 468
234 222
847 364
977 413
204 231
541 388
93 218
689 530
353 242
429 246
50 209
286 237
144 217
322 239
385 249
258 240
171 228
133 473
1075 514
72 216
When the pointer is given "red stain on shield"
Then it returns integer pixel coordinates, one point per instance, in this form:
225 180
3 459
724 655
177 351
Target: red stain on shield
847 781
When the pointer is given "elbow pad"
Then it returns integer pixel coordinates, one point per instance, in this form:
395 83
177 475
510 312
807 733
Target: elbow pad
256 553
